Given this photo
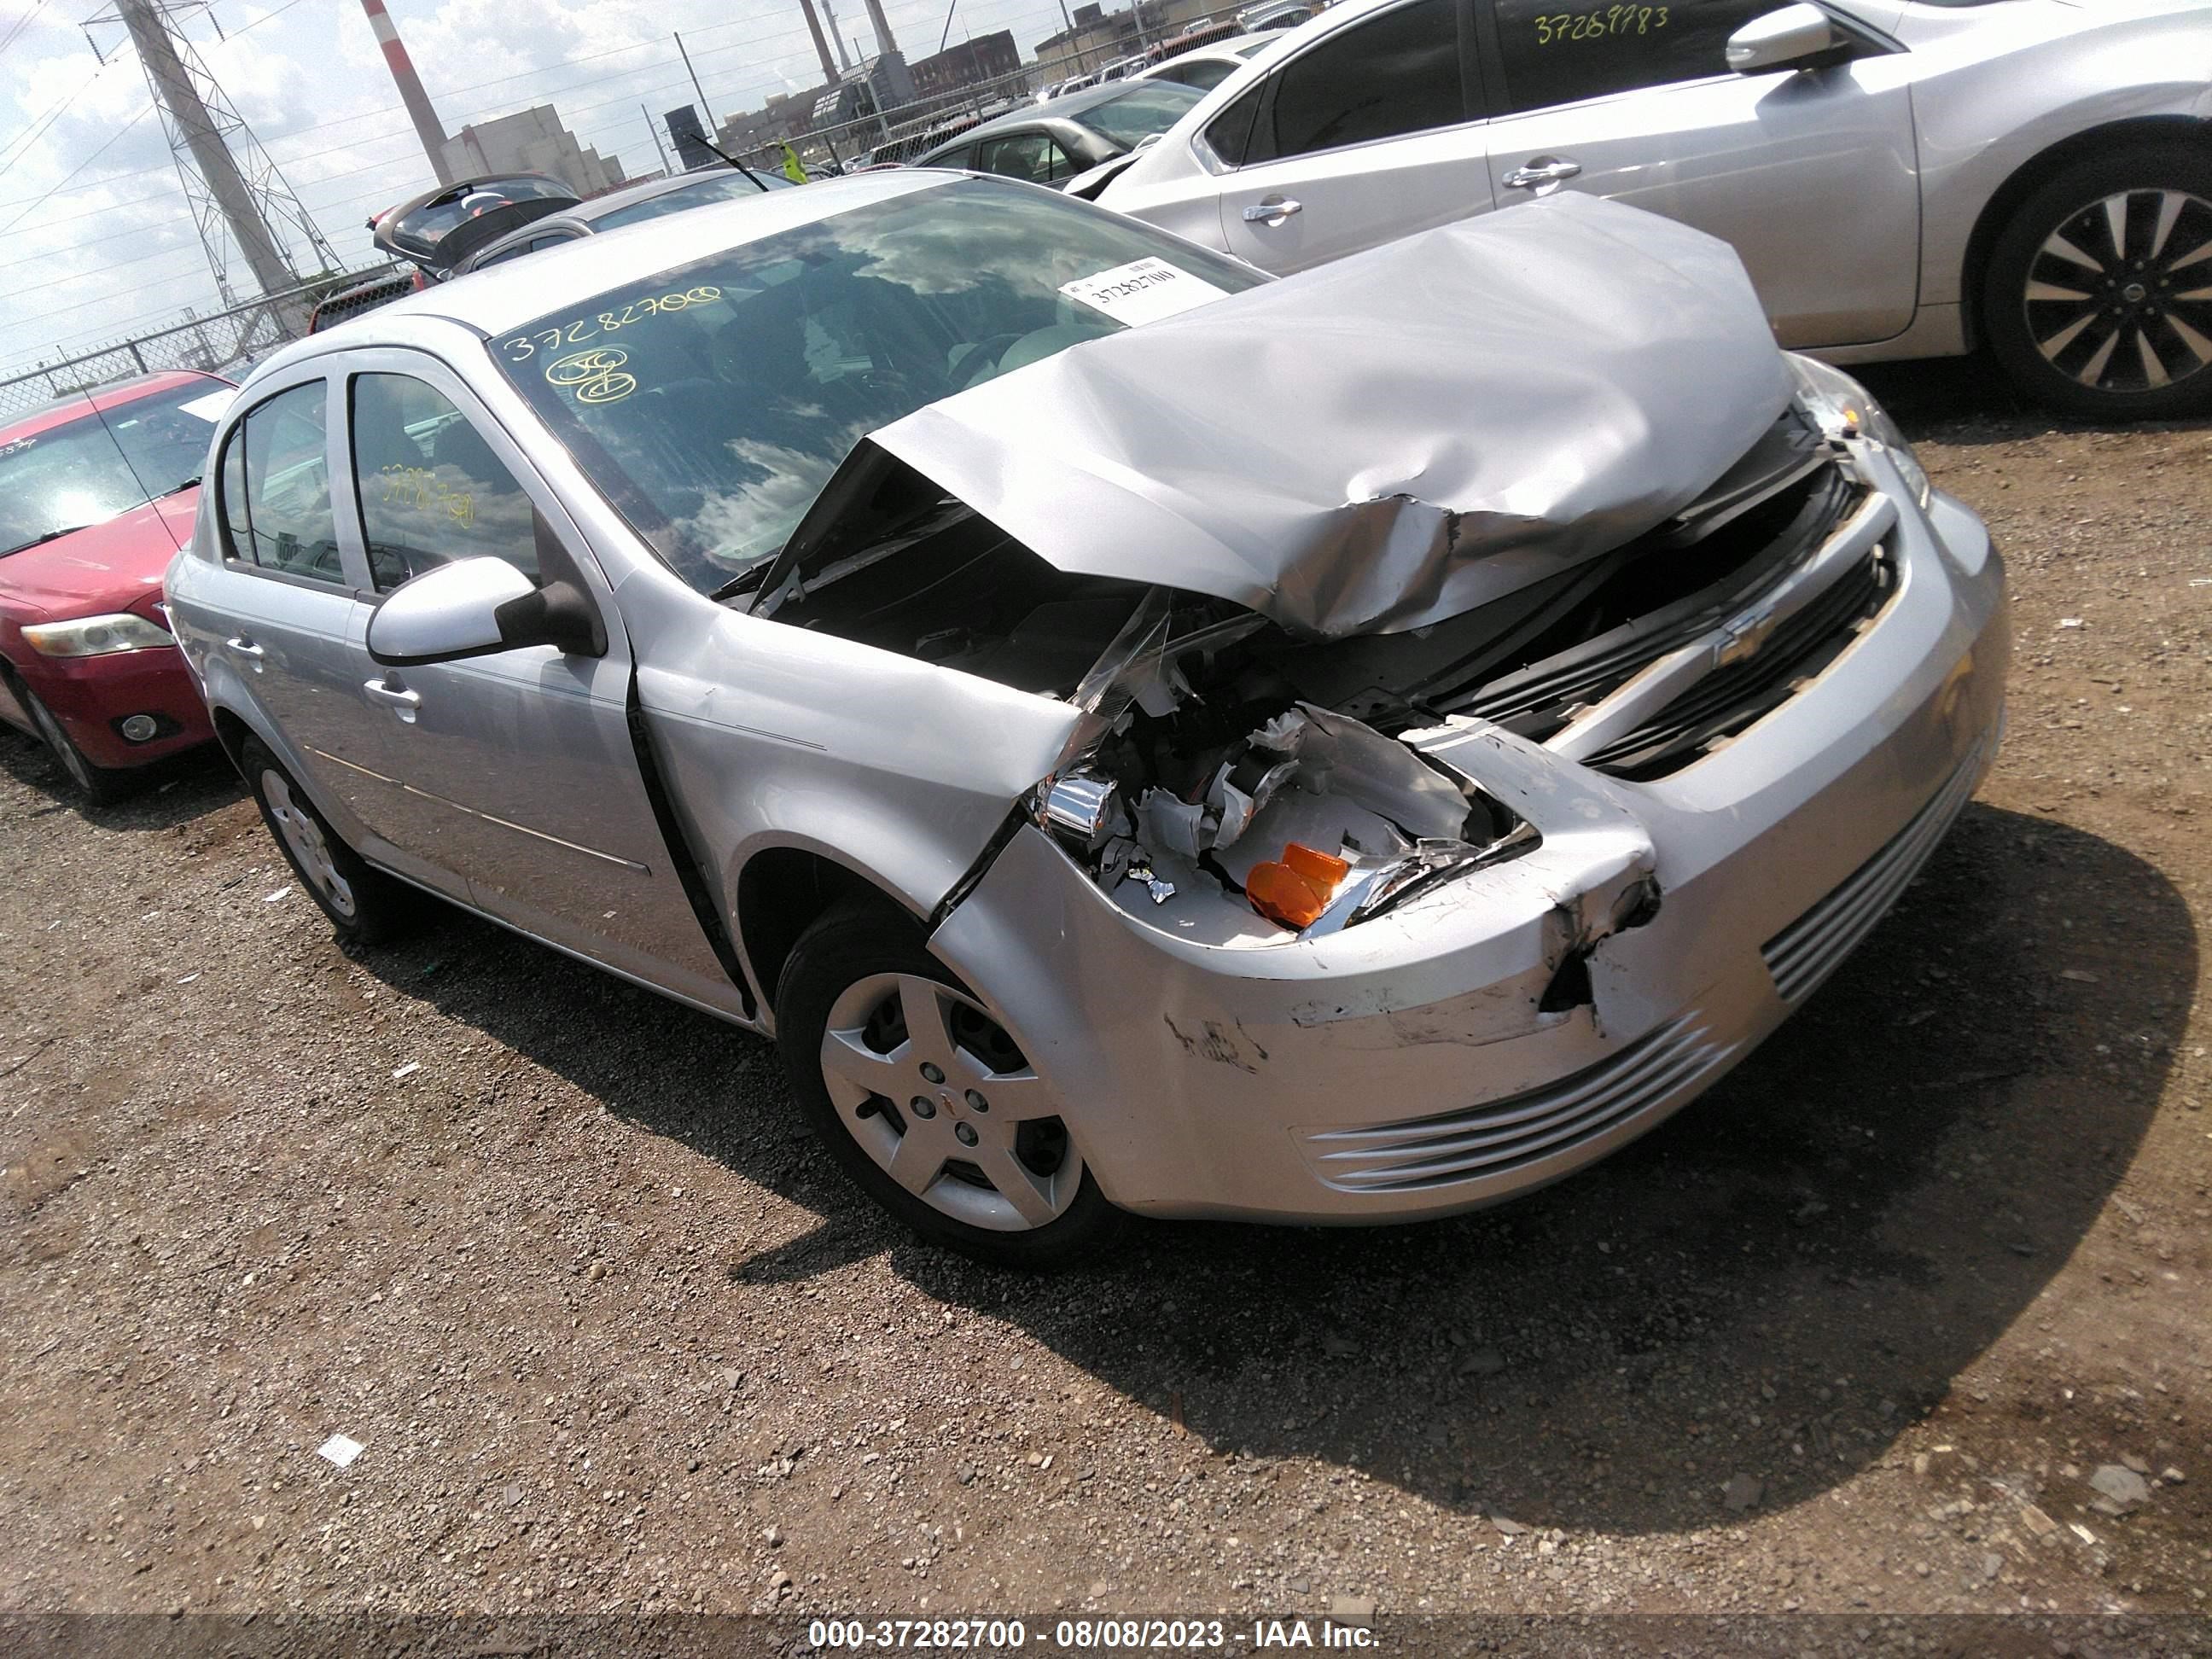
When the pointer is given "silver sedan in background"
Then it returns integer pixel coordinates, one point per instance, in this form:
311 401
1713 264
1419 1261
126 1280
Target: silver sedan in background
1902 178
1139 735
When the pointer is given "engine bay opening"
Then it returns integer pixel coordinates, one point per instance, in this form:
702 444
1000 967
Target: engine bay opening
1241 784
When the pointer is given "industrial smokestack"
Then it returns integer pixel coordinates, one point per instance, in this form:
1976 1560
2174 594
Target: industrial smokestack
882 25
419 111
821 42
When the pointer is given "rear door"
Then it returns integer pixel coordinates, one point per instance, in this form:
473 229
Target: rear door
516 774
1368 134
1811 174
283 610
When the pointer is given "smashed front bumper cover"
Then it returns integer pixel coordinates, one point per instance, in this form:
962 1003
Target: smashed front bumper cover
1519 1021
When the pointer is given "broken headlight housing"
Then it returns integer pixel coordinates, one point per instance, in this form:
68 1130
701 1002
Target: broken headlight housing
1845 408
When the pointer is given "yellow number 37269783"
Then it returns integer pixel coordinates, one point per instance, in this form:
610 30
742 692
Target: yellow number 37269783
1599 25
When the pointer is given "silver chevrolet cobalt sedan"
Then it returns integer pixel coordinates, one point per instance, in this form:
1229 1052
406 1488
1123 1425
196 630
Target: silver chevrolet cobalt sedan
1139 735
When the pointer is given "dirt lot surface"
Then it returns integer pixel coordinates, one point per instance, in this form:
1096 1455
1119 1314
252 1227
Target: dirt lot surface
1858 1332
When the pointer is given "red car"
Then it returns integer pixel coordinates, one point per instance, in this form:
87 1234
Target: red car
97 492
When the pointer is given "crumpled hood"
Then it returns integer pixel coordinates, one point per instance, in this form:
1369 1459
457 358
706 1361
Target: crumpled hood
1380 443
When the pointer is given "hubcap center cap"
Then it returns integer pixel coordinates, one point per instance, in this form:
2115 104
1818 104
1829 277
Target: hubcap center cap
2134 294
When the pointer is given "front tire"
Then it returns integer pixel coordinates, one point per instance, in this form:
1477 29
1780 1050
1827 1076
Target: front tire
924 1099
99 786
364 905
2098 301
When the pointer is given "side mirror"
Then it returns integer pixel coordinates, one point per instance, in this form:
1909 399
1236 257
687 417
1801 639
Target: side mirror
1792 37
475 607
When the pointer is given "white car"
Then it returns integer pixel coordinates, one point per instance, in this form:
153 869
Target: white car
1207 67
1903 179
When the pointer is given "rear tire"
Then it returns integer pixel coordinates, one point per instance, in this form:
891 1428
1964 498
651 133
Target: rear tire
98 786
2095 303
364 905
924 1100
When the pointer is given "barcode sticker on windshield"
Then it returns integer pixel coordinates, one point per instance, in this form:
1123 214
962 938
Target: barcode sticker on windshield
210 408
1142 291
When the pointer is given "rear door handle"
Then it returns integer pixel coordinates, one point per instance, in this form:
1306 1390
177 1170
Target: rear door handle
1271 212
397 698
1542 173
245 647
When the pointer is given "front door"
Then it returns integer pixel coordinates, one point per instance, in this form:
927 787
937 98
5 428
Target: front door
516 772
1364 136
1811 174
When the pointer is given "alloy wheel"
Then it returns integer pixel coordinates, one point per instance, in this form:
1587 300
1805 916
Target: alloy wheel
2120 296
936 1093
303 838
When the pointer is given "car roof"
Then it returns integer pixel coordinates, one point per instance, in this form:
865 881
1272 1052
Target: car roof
1069 107
493 300
117 393
629 195
581 216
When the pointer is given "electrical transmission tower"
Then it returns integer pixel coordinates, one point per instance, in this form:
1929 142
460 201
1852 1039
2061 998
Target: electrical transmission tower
238 199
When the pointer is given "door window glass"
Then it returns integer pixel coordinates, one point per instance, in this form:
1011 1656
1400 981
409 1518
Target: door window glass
277 488
431 489
1557 54
1394 74
1030 156
1228 134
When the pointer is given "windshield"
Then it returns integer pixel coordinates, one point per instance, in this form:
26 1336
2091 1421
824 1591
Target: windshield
716 187
1148 107
85 471
714 401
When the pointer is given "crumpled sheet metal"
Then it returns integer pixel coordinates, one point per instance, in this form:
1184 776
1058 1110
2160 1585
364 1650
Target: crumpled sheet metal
1380 443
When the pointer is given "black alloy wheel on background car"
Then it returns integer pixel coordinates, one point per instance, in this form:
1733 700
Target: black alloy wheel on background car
2098 299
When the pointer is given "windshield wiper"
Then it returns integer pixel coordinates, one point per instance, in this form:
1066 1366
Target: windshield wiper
50 536
748 578
178 488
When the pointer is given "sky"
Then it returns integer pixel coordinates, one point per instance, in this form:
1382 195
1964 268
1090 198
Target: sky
95 240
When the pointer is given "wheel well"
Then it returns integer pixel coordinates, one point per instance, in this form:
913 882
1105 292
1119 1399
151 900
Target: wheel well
781 893
2032 175
231 733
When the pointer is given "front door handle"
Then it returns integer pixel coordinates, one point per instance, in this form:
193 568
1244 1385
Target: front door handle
1272 211
1542 174
397 698
245 647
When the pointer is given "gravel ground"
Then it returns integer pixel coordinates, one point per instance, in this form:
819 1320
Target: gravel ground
1896 1320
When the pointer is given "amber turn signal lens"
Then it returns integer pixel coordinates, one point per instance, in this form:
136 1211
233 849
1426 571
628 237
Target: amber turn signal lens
1294 892
1315 866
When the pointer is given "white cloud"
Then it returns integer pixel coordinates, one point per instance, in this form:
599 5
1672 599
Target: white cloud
112 251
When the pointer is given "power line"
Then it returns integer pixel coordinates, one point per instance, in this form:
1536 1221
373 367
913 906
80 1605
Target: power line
400 159
77 243
38 127
78 168
192 248
21 23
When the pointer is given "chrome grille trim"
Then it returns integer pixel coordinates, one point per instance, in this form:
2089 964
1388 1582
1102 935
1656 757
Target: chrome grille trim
1809 949
1500 1135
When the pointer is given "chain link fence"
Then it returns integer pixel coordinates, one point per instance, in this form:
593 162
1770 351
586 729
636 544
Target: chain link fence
902 133
212 342
217 340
